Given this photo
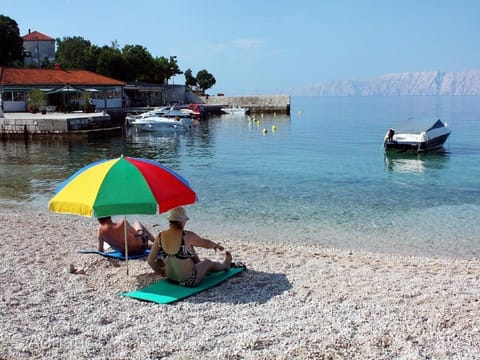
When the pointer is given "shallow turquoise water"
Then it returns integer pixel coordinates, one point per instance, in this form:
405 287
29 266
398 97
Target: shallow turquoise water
321 176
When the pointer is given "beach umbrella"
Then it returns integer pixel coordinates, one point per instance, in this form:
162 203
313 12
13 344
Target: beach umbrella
122 186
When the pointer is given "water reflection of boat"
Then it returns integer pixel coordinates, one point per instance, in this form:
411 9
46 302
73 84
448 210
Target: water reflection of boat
160 123
415 163
159 146
154 137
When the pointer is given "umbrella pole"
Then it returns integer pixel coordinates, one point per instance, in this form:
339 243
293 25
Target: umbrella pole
126 242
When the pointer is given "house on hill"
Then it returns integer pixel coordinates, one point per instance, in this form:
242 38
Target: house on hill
38 47
63 90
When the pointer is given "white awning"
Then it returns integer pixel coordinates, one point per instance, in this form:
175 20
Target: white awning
66 89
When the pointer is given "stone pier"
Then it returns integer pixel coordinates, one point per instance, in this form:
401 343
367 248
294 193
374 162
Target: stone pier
71 125
256 104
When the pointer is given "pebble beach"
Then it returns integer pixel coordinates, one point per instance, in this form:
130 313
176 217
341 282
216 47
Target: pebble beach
295 301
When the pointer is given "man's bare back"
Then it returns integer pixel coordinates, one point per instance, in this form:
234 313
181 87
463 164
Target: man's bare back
138 236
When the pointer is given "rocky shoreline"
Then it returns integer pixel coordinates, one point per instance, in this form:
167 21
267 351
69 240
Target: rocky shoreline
295 301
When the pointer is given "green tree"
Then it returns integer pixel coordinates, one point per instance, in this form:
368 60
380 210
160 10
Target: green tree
190 80
205 80
160 71
110 63
36 100
173 68
140 64
46 63
165 69
11 44
77 53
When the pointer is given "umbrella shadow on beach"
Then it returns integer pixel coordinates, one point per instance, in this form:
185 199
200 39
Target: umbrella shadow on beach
250 286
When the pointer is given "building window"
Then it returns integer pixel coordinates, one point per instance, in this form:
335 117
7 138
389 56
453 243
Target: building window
6 96
18 96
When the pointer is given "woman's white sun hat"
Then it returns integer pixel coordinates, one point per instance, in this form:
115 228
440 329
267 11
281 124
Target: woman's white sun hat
178 214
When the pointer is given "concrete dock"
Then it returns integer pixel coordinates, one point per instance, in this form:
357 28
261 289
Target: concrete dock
85 125
69 125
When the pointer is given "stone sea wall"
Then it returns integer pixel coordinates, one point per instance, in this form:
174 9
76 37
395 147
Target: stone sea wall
260 103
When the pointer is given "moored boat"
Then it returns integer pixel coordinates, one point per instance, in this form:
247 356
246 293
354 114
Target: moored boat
164 111
235 110
431 139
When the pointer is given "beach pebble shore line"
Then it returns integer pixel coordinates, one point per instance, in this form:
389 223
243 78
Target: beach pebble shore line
295 301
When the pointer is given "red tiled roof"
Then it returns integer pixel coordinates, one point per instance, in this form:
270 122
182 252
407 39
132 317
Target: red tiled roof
13 76
36 36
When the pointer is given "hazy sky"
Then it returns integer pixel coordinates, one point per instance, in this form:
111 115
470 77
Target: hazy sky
272 47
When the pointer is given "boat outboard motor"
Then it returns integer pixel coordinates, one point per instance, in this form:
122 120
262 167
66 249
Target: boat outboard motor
389 135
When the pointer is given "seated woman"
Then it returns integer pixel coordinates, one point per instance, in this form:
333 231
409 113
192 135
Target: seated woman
175 247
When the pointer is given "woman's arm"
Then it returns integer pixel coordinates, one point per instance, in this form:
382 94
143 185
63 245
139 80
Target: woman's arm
196 240
152 257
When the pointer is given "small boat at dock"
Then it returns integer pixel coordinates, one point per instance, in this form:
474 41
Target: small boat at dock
235 110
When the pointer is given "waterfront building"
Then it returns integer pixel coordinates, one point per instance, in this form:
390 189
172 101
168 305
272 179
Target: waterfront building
38 48
63 89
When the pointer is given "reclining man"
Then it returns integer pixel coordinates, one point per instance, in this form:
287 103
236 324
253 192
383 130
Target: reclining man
138 237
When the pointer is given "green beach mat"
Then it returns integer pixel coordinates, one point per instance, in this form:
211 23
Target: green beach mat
164 291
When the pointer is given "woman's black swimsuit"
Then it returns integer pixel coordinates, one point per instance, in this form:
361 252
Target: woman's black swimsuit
182 253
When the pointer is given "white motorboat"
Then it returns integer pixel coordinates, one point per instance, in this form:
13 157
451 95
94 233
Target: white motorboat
165 111
419 141
161 123
235 110
155 112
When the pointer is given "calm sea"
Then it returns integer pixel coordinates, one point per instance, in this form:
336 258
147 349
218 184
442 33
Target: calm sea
321 176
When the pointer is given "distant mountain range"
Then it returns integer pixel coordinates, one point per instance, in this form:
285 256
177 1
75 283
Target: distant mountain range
401 84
